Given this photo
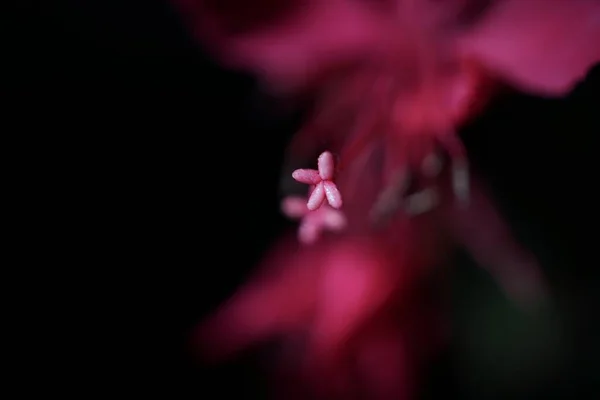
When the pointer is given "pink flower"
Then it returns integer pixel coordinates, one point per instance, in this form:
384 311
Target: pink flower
359 295
287 43
322 182
541 46
332 308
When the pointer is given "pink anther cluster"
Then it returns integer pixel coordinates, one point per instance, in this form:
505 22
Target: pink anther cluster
321 211
321 181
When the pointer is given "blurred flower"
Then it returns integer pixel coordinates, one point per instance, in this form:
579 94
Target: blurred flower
544 46
387 77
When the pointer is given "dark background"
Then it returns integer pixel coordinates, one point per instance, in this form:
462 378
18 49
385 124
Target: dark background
142 137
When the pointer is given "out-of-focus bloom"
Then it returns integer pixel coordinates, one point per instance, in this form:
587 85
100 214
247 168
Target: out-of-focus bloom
541 45
357 314
391 83
289 43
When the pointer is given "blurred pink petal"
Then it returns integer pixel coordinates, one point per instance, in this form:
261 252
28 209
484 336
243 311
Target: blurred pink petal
286 42
337 294
543 46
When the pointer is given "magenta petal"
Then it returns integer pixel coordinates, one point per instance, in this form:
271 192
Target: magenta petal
334 197
543 46
288 43
326 166
308 176
317 197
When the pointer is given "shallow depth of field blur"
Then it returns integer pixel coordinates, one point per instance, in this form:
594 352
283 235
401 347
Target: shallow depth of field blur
177 108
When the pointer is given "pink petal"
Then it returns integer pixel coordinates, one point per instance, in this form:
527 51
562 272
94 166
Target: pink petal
334 197
317 197
308 176
287 46
326 166
543 46
294 207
